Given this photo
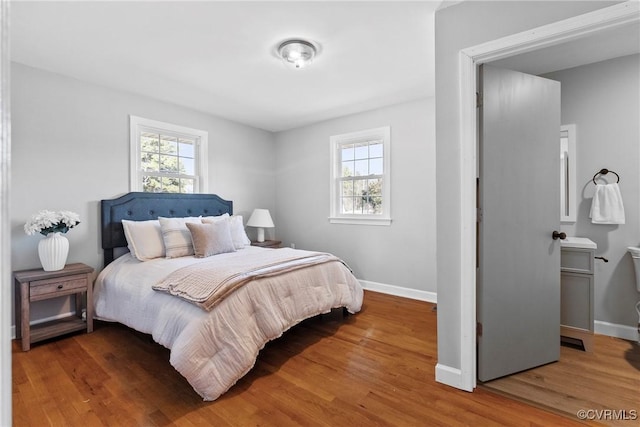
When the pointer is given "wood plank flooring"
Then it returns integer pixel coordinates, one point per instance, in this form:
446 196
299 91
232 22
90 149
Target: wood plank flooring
607 379
375 368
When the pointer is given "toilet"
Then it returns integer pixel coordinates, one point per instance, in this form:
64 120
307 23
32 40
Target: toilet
635 254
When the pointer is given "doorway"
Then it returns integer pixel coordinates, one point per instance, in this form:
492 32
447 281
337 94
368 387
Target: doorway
539 38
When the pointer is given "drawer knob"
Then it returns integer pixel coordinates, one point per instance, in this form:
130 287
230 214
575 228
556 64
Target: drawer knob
60 286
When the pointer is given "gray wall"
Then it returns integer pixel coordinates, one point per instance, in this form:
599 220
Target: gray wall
400 255
70 149
457 27
602 100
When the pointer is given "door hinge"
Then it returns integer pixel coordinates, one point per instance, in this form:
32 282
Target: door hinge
478 214
479 329
478 100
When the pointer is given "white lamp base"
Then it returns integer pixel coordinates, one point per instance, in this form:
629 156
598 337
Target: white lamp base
260 234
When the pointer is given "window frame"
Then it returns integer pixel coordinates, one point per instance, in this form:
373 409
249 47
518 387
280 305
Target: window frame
336 141
138 125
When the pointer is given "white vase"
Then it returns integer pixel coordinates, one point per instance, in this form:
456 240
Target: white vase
53 251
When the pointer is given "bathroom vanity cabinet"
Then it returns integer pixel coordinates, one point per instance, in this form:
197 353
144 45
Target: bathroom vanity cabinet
576 291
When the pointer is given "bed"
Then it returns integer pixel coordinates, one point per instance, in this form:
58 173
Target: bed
214 336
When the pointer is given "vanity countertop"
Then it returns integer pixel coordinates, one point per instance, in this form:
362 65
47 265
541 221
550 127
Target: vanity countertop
578 242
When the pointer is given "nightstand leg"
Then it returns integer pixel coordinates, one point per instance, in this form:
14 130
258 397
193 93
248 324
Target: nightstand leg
89 304
24 315
17 294
79 304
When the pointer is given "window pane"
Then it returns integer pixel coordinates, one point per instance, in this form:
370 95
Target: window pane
151 184
346 152
376 203
375 149
168 145
150 162
170 185
346 205
149 142
347 169
375 166
366 205
361 167
186 147
168 164
357 204
347 188
359 186
187 185
375 187
362 151
187 166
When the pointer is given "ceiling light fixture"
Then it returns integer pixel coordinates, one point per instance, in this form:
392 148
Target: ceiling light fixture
298 53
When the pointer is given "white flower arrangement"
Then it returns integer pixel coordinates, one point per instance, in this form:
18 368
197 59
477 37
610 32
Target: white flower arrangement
45 222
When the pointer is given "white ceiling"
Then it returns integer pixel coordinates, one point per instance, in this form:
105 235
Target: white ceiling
218 57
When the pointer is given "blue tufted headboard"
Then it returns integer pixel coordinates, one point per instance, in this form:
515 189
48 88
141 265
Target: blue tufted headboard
144 206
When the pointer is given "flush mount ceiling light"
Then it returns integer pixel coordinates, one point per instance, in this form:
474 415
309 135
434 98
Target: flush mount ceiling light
298 53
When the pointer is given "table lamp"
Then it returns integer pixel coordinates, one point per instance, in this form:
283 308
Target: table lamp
260 219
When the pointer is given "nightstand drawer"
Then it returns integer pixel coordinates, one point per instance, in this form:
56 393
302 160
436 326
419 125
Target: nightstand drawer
43 289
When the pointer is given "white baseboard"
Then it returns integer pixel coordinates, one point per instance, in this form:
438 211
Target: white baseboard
13 332
400 291
615 330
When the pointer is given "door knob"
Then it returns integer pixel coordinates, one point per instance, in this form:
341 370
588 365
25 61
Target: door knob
559 235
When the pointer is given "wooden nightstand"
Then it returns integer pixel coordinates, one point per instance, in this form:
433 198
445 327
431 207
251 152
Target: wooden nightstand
273 244
39 285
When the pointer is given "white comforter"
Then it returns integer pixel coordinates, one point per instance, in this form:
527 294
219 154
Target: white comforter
212 350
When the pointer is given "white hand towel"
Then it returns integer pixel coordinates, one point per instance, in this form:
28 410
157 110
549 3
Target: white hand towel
606 207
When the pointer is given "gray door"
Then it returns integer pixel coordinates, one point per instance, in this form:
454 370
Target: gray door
519 208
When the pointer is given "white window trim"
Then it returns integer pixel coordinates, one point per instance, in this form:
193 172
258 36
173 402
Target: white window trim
202 138
383 133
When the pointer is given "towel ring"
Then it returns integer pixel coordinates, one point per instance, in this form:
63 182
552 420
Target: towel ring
604 172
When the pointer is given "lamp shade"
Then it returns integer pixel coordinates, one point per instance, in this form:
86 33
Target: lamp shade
260 218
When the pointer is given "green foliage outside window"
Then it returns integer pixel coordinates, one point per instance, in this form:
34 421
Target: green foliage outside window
168 163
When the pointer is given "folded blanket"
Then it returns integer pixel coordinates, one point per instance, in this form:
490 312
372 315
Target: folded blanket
207 283
607 207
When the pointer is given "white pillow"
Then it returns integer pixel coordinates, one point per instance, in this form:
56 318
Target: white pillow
176 236
144 239
212 219
211 238
238 234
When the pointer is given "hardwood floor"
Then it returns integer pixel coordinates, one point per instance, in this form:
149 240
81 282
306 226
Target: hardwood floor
607 379
372 369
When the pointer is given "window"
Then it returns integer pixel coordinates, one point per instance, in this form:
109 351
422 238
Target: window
361 177
167 158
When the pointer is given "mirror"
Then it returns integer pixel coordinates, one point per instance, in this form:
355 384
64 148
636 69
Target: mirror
568 173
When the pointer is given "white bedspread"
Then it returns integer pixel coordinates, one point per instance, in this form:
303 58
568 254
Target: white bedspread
212 350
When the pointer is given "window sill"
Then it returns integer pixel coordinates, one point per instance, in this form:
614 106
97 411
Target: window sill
360 221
